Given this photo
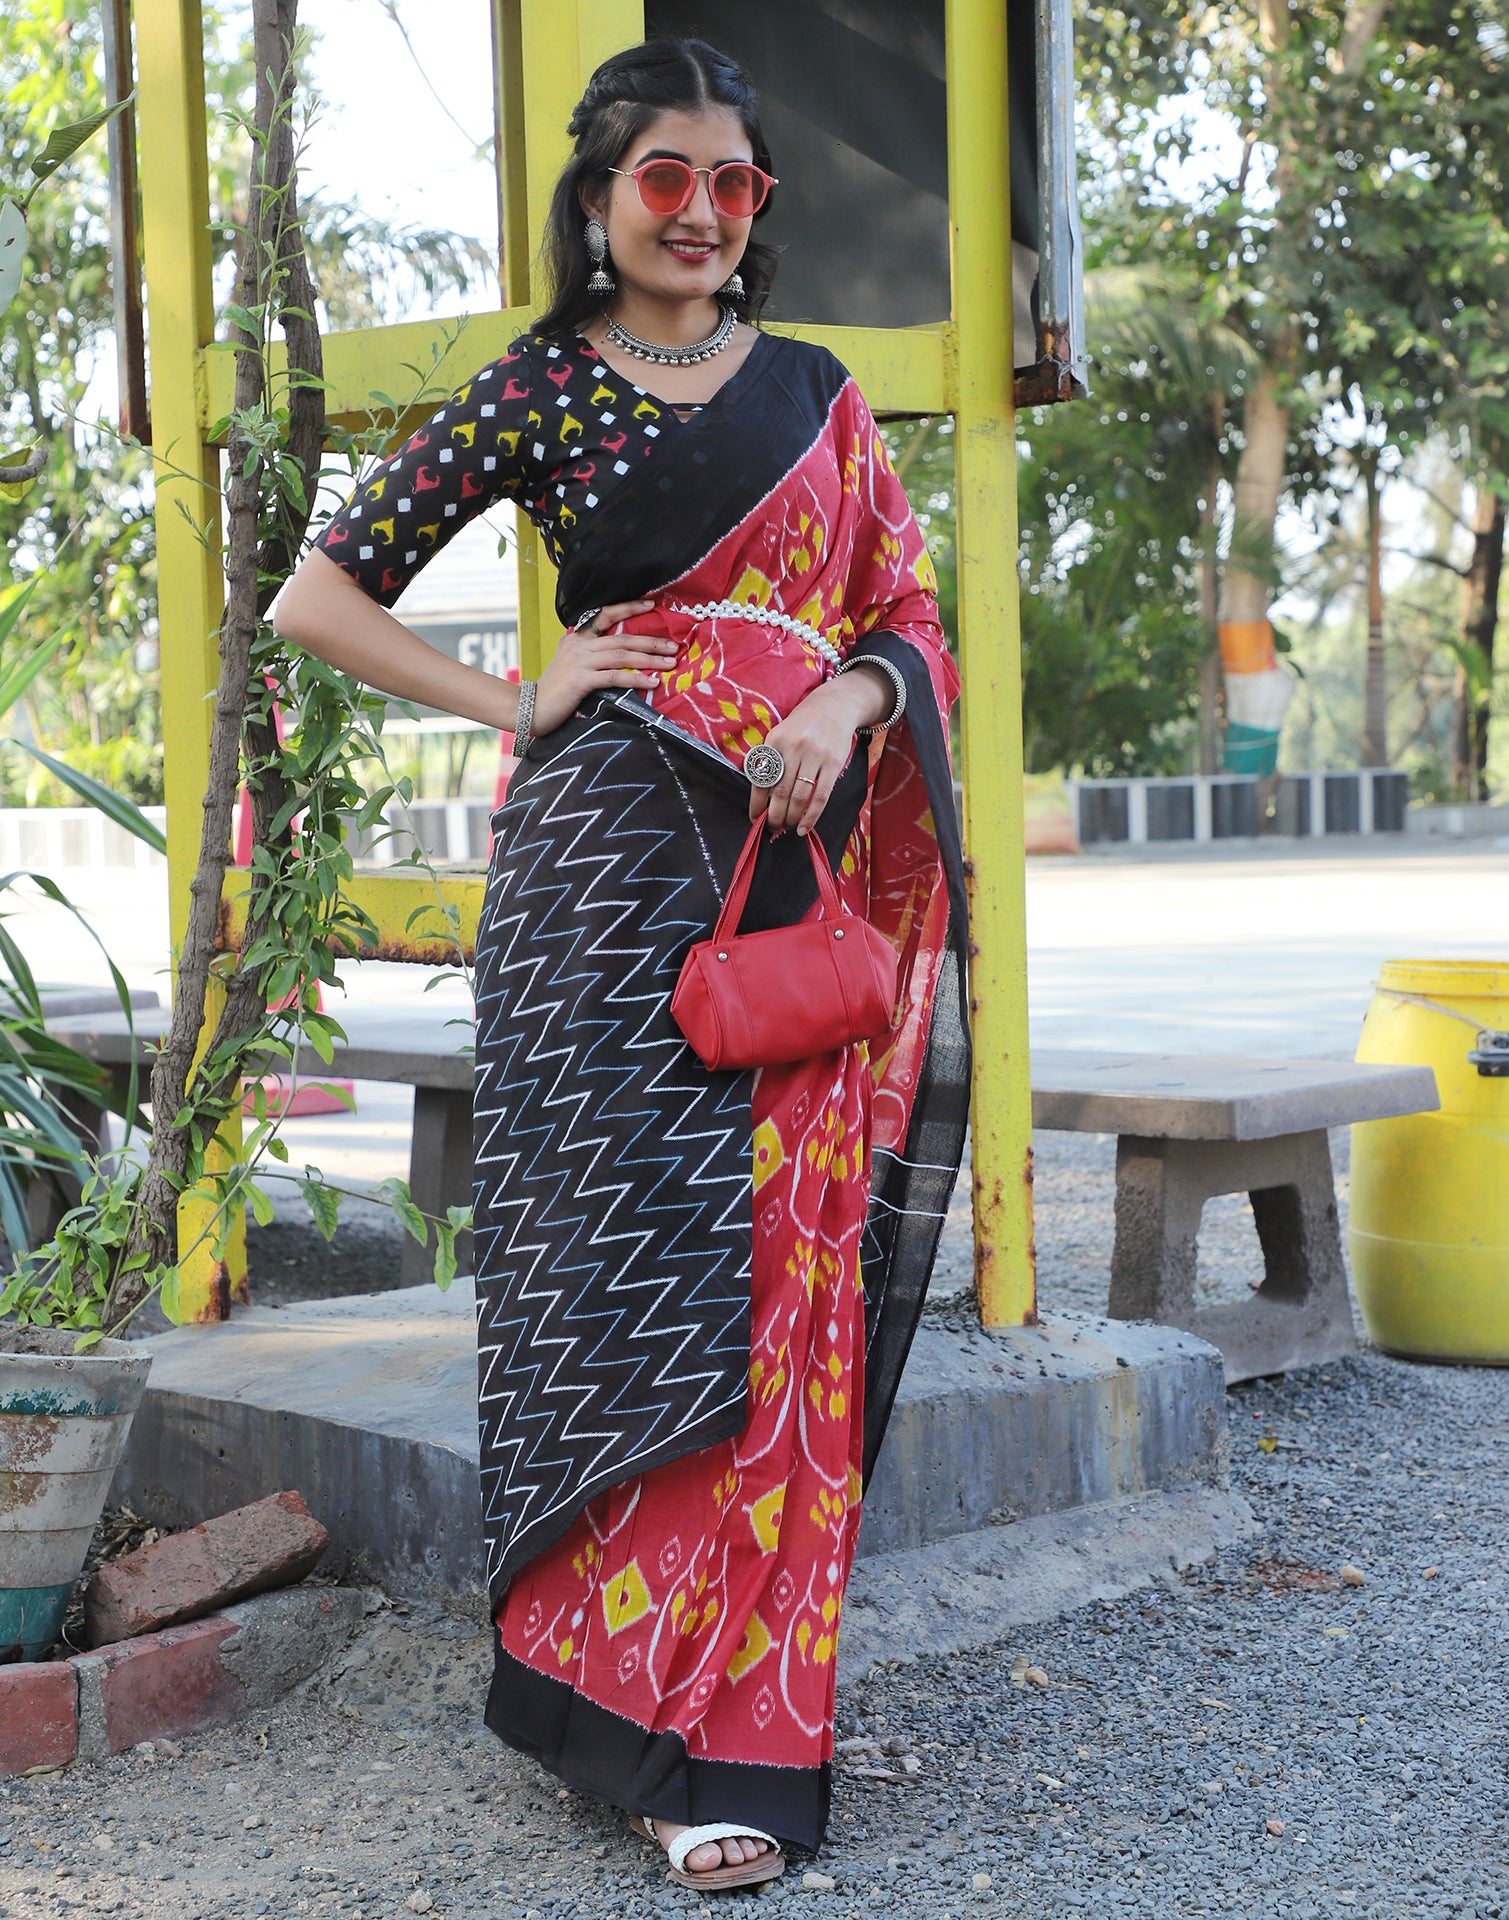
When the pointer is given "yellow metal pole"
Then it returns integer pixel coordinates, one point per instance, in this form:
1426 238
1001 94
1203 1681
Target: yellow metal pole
175 236
560 43
176 243
508 97
990 659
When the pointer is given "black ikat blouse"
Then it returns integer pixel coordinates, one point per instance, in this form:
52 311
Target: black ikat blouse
549 426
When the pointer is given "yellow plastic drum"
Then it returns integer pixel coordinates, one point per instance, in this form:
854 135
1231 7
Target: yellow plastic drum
1430 1192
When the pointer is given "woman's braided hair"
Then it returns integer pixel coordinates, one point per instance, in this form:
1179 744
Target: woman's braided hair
623 97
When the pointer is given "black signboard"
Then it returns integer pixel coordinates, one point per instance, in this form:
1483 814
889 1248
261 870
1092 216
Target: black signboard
854 102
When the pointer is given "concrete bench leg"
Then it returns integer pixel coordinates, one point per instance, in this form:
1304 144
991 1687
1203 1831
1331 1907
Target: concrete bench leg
440 1173
1301 1313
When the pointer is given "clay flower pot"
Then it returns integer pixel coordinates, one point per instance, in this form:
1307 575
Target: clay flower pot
64 1417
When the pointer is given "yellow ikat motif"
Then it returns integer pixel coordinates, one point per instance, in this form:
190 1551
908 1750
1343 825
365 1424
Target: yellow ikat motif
626 1598
752 589
769 1154
765 1518
756 1644
768 1387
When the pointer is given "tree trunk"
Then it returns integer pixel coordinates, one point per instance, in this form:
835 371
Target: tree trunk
1265 422
1259 483
1210 607
272 235
1479 628
1375 688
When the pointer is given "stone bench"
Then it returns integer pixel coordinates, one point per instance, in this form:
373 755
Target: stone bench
418 1047
60 1000
1192 1127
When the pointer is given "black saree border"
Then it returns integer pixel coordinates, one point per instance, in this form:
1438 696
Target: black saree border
725 460
613 1759
592 740
910 1191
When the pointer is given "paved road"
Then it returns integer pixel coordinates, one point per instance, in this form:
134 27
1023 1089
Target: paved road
1271 950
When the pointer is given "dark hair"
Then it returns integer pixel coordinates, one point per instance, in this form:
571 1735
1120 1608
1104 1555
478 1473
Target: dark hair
623 97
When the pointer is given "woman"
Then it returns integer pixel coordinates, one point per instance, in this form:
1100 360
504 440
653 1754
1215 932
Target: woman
683 1379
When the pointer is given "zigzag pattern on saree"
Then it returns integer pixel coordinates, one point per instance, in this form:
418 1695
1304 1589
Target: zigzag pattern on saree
612 1170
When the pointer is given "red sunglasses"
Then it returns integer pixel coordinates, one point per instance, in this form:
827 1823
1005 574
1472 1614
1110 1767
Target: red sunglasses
737 189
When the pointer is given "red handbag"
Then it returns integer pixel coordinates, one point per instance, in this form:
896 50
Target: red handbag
759 999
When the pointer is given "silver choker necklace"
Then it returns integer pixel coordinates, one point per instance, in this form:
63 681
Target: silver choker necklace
715 342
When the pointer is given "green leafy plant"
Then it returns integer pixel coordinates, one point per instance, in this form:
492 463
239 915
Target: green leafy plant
310 782
62 143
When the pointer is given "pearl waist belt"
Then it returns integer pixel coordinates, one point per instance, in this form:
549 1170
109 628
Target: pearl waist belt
762 617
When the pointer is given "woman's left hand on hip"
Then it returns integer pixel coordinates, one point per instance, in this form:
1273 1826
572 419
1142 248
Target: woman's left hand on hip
815 741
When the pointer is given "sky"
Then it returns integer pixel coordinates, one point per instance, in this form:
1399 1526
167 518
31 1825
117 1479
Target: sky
400 132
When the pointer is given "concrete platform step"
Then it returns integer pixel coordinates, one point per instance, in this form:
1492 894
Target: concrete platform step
968 1592
366 1405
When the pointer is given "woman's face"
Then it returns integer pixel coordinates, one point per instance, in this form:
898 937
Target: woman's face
688 255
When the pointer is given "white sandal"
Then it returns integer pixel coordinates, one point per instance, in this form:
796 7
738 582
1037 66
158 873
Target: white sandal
748 1873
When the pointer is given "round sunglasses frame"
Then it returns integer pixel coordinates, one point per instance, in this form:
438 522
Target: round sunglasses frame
668 213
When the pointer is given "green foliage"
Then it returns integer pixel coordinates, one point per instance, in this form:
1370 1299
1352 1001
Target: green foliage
85 536
922 452
310 741
64 142
1111 640
39 1077
1116 512
1356 243
122 812
66 1283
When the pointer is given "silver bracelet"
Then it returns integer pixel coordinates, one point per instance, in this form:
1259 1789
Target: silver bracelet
893 674
523 725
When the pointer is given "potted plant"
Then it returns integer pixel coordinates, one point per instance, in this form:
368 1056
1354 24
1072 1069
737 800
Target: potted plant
68 1390
64 1417
67 1394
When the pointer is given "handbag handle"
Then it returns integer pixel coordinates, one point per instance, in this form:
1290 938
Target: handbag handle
743 877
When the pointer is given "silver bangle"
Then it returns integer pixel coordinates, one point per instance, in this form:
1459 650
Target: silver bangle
893 674
523 726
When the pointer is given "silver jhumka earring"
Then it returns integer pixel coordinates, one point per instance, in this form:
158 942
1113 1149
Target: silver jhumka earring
733 287
601 283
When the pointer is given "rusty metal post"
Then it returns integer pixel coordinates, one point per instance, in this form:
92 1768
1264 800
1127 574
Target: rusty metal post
990 660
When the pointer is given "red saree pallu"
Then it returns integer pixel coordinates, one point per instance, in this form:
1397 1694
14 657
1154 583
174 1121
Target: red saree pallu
695 1289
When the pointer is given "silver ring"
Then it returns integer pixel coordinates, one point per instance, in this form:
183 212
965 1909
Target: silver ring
806 780
764 766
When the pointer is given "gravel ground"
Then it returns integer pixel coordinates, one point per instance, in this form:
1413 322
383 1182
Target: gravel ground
1176 1731
288 1262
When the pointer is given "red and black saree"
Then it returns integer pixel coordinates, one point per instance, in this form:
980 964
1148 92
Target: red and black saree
695 1290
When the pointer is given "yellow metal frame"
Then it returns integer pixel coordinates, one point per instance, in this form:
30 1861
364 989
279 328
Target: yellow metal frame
544 52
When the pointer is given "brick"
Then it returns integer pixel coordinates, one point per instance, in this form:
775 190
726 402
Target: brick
272 1543
160 1685
39 1716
